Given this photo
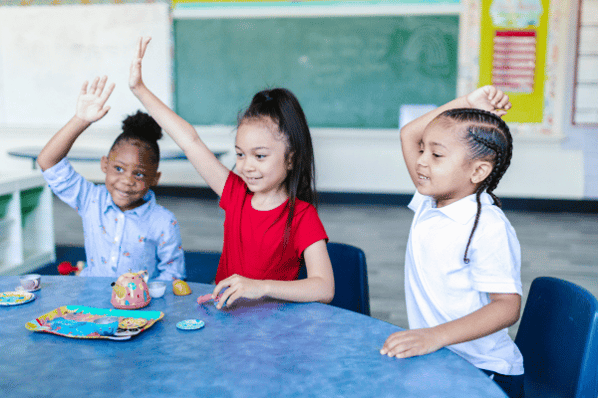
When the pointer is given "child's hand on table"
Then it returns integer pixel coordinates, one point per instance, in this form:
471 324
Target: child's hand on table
90 104
410 343
490 99
236 287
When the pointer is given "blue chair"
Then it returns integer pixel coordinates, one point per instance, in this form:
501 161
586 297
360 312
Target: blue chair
201 266
558 337
350 278
72 254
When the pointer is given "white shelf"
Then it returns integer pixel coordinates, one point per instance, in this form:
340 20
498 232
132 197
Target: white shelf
26 223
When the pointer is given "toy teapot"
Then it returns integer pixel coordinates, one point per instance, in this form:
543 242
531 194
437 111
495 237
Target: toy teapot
130 291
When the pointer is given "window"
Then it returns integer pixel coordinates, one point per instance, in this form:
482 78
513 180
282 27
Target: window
585 96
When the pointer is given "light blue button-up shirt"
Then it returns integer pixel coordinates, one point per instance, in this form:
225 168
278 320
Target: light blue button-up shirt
145 238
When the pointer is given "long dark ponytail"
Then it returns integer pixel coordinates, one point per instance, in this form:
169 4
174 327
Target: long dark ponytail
488 137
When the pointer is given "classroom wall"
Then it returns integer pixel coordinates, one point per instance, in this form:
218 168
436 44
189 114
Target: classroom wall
548 149
356 159
47 52
580 124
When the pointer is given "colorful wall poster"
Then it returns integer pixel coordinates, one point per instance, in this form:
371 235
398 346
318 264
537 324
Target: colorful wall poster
513 54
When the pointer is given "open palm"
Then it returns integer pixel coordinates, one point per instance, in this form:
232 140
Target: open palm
135 79
91 104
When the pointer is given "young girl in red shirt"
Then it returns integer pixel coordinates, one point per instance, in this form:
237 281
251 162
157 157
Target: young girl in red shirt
271 223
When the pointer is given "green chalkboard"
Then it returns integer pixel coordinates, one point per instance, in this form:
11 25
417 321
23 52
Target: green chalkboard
346 71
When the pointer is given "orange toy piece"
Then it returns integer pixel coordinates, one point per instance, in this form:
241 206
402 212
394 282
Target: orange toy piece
180 288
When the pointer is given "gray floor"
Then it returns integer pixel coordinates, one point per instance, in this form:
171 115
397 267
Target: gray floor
562 245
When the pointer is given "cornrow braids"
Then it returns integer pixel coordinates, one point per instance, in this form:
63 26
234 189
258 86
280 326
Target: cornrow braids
488 137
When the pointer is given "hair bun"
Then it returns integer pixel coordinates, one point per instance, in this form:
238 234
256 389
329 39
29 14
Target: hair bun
143 126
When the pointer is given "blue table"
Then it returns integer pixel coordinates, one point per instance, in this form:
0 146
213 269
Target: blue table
94 155
260 348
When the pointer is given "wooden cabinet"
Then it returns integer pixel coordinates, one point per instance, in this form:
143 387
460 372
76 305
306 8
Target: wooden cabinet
26 223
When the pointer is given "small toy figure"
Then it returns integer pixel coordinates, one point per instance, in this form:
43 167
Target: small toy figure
65 267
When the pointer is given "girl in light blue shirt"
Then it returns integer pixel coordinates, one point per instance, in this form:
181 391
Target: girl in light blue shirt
125 229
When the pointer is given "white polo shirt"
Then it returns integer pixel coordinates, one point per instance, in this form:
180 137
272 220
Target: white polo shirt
440 287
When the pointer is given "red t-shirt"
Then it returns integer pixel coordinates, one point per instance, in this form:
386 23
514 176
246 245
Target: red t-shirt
253 239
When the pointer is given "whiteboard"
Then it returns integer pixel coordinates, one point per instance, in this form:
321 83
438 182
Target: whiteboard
47 52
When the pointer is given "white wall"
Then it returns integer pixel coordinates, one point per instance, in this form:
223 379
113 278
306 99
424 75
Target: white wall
47 52
346 161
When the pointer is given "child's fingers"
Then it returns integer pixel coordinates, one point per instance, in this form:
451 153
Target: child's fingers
225 298
220 287
490 92
104 112
403 347
107 93
404 353
504 101
498 97
141 46
144 42
94 85
390 347
217 289
138 52
84 87
231 299
390 342
101 85
399 348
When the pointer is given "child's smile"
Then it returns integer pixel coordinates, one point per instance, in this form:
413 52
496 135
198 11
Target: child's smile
262 163
130 172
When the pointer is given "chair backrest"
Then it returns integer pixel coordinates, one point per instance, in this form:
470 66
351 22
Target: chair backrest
558 337
350 278
201 266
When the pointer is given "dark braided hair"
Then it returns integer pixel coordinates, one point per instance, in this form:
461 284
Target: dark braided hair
488 137
142 128
282 107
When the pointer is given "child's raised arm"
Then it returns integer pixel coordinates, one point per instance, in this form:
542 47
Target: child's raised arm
488 98
200 156
90 108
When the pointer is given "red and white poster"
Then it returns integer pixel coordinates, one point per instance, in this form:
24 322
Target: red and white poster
514 60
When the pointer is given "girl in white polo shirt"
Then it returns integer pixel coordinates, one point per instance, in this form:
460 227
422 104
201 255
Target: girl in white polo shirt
463 260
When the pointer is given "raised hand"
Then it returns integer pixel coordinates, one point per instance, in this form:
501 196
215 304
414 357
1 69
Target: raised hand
135 79
91 103
489 98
